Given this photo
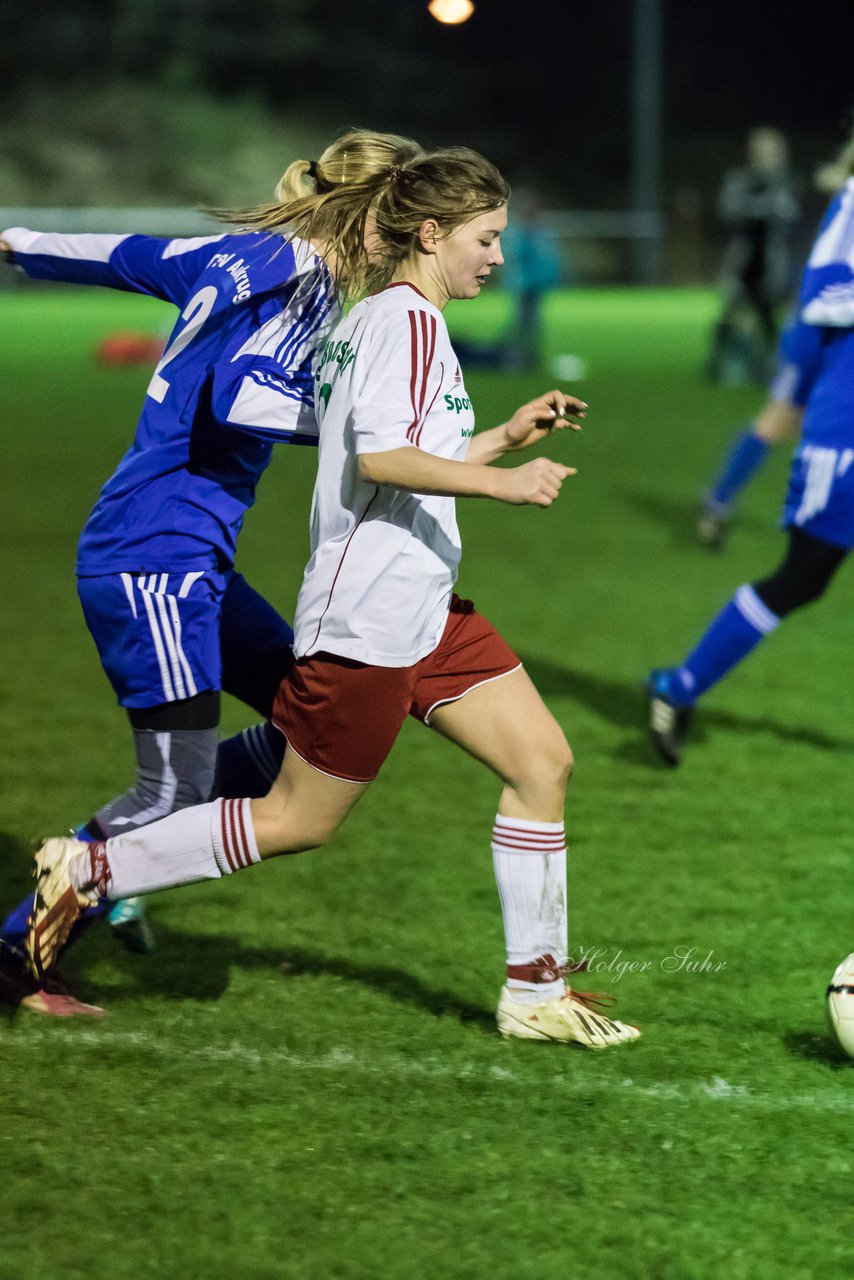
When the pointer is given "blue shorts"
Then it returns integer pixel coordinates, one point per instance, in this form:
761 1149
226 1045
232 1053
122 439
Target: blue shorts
820 499
164 637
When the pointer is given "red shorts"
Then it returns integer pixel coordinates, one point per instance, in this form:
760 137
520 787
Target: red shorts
342 717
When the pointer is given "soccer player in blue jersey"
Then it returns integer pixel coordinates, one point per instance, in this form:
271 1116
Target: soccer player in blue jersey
778 422
819 508
173 622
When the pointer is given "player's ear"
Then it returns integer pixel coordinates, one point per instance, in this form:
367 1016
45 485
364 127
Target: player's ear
428 235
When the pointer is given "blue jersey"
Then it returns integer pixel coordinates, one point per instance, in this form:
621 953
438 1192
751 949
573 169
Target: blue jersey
236 375
799 355
827 304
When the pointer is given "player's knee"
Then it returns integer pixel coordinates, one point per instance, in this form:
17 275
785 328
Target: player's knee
783 592
567 761
804 574
553 762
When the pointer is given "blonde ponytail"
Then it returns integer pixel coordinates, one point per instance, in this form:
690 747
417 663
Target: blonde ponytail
327 202
295 183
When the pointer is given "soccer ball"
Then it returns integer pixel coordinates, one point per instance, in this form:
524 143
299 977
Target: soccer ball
840 1004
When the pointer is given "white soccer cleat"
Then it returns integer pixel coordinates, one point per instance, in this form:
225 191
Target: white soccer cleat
58 905
569 1019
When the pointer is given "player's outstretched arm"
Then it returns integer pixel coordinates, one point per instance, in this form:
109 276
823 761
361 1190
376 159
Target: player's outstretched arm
552 411
779 422
536 483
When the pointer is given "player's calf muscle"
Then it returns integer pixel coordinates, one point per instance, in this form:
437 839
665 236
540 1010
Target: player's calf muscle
289 820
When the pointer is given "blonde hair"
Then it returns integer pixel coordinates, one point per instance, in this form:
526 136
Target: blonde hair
453 186
327 201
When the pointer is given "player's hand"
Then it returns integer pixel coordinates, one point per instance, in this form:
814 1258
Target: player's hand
535 483
5 248
549 412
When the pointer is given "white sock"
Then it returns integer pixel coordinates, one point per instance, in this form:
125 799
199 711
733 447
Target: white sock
530 870
202 843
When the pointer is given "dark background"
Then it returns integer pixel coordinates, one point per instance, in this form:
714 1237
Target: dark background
159 101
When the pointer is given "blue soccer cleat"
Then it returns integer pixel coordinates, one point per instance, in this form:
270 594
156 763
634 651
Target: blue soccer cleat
127 917
129 924
669 716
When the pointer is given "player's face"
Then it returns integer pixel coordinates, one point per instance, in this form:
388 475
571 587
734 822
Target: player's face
466 257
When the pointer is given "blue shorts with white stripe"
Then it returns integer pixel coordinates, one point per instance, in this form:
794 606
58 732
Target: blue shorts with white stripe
820 498
164 637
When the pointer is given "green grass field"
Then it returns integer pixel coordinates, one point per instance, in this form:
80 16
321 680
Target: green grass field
305 1082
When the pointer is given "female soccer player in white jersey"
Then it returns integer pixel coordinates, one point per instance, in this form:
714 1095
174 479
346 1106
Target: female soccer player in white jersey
173 622
379 634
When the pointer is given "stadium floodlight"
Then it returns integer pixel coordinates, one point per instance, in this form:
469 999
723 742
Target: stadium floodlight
451 12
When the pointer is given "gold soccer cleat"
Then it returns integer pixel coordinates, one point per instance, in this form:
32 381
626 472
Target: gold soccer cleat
57 906
571 1019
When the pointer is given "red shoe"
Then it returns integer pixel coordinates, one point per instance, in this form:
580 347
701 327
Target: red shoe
52 998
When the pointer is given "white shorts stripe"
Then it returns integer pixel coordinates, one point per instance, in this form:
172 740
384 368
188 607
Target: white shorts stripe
171 648
821 468
164 621
189 579
182 657
162 663
127 583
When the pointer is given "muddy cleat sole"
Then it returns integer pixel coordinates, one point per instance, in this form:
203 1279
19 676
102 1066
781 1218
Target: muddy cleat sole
130 925
57 905
571 1019
669 721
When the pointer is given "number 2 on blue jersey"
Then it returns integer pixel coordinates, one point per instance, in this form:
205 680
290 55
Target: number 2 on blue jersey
195 313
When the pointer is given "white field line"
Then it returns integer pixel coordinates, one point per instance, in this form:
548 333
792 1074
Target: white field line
496 1076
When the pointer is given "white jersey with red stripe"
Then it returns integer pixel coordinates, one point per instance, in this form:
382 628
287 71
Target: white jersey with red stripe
383 562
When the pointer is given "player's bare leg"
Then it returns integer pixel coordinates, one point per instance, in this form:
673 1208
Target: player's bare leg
302 811
506 725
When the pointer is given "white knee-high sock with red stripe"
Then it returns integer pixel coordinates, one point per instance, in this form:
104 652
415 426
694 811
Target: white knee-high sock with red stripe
530 870
202 843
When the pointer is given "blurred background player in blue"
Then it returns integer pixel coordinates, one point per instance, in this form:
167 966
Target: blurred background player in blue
758 205
173 622
819 508
532 269
779 420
